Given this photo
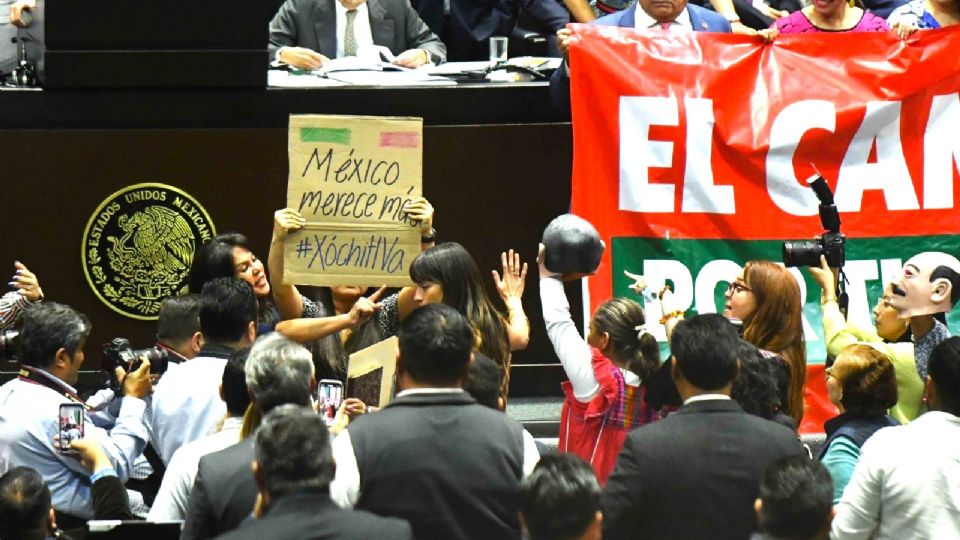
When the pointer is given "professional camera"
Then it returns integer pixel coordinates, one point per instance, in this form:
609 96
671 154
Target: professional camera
8 344
119 353
832 244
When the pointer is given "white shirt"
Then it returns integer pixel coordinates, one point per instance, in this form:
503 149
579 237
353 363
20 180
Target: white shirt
28 422
345 488
171 501
906 484
361 28
680 24
186 404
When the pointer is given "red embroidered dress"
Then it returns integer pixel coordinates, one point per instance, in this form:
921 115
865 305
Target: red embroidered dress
595 430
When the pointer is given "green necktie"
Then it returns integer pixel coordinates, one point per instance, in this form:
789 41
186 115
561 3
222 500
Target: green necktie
349 39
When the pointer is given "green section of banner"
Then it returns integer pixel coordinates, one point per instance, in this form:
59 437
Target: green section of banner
700 270
325 135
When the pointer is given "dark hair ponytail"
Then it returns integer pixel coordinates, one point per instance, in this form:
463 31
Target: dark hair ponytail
638 352
647 361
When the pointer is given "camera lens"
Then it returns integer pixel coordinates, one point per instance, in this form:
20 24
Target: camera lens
802 253
8 345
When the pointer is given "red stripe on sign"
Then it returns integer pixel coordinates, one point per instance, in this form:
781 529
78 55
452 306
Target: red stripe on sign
400 139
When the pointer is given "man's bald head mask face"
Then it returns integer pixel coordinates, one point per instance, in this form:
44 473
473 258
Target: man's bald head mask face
929 283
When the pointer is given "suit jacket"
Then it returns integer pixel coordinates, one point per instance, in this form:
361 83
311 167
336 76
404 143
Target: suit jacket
313 24
467 29
448 465
224 492
313 516
701 20
694 474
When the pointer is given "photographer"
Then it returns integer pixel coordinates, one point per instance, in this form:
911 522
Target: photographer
187 404
178 327
51 343
891 336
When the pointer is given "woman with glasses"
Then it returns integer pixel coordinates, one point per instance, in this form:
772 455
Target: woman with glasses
863 385
890 335
765 300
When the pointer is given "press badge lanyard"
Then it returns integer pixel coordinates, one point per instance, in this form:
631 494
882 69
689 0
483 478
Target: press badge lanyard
33 375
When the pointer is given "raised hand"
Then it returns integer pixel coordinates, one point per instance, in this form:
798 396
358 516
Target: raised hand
286 220
420 211
365 307
514 276
826 277
26 282
639 282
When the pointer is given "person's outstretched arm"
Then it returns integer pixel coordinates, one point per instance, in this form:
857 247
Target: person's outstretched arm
574 353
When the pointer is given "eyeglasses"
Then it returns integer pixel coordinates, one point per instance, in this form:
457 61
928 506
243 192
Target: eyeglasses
736 287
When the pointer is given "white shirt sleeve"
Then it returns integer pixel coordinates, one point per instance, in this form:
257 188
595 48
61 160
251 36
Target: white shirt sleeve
858 513
171 501
573 351
128 437
345 488
531 456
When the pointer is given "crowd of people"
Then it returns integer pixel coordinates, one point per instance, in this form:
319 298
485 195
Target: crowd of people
308 34
701 444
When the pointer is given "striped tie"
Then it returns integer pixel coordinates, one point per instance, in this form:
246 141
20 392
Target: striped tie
349 39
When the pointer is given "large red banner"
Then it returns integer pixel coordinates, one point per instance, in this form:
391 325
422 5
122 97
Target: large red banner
703 136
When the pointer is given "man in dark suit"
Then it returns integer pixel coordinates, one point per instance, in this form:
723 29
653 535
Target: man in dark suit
669 15
434 456
308 33
278 372
293 468
696 473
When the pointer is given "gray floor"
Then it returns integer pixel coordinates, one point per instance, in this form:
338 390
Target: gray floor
541 416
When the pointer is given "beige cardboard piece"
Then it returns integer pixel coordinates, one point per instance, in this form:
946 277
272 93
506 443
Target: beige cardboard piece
362 369
350 177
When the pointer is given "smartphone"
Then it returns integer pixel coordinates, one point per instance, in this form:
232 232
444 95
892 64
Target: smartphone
330 396
71 426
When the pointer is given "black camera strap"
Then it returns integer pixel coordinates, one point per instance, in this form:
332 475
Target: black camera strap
843 300
37 376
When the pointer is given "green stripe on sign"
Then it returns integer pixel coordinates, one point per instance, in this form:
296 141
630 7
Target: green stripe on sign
325 135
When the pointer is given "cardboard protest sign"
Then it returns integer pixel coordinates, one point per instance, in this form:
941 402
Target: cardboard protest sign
351 177
370 373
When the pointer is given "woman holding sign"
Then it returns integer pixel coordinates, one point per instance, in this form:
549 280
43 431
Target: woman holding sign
338 322
444 273
227 255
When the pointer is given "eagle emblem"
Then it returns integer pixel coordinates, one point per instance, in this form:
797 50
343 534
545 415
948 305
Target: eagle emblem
139 244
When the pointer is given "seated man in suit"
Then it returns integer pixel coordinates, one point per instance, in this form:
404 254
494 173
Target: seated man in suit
670 15
696 473
307 33
434 456
293 468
